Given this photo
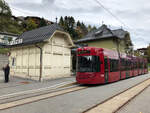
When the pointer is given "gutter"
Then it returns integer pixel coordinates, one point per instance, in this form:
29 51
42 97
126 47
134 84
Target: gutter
41 57
95 39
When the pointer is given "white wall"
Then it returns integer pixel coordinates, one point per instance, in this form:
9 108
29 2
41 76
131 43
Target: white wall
57 58
26 63
3 60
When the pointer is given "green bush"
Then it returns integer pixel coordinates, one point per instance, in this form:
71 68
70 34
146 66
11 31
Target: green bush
4 50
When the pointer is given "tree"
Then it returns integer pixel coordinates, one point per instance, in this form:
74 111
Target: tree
42 23
68 24
7 24
148 53
31 25
76 29
84 29
4 9
78 24
94 28
61 21
89 28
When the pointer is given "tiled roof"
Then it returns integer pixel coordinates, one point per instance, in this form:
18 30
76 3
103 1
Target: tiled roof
38 35
120 33
103 32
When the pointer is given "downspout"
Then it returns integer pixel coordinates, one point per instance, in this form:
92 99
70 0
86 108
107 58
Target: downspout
41 56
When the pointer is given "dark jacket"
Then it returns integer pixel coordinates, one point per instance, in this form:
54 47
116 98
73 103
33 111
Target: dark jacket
6 70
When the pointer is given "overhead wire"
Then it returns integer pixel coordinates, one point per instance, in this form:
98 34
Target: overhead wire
118 19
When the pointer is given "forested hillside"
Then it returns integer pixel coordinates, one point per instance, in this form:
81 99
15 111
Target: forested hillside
18 25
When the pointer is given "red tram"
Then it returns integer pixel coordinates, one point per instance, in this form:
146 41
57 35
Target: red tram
98 66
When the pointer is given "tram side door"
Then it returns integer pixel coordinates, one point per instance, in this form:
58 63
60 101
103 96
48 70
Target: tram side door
106 69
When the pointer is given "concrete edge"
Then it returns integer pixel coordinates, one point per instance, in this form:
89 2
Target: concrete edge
120 99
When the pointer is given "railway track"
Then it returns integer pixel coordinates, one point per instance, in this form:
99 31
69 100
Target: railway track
116 102
4 87
30 96
12 95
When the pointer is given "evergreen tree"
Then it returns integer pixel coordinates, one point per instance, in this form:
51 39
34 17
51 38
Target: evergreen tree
71 22
78 24
148 53
61 21
94 28
4 9
84 29
42 23
76 30
89 28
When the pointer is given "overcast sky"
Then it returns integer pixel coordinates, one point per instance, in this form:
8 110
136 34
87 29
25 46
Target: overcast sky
134 13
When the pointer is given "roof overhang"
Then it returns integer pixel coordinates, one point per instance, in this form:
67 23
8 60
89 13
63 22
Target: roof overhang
25 44
95 39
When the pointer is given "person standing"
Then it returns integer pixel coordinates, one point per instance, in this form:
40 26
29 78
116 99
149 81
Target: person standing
6 73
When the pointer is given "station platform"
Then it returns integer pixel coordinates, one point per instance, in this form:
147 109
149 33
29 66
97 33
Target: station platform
17 84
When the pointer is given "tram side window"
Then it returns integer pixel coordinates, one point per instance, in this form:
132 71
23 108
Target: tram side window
96 64
140 65
105 63
113 65
136 65
128 65
145 65
123 64
132 65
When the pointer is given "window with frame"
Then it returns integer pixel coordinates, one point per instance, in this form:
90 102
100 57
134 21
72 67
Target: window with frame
105 64
145 65
114 65
123 64
88 64
128 65
13 61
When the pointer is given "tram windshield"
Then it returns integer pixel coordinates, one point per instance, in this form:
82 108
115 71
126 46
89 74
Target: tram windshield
88 64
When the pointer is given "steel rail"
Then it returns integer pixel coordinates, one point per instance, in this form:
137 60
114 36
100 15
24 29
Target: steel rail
86 111
39 97
27 92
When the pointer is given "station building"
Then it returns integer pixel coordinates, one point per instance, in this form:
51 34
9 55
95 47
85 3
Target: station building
43 53
103 37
